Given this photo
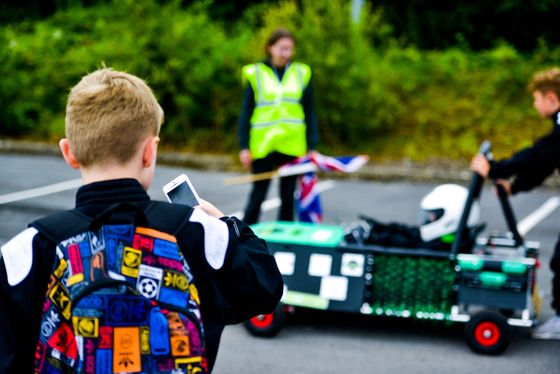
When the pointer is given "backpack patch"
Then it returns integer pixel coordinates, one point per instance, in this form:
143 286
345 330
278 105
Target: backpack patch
121 299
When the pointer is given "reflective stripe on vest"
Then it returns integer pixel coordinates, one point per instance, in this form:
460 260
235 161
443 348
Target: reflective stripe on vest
278 120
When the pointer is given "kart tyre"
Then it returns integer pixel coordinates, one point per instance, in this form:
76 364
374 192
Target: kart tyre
267 325
488 333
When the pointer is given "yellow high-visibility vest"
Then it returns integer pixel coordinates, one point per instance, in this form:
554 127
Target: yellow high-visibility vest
278 120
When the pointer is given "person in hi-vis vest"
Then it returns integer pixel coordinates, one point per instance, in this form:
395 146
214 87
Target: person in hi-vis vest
277 122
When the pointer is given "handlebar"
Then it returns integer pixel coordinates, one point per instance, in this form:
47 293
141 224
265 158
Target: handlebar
485 149
508 213
474 192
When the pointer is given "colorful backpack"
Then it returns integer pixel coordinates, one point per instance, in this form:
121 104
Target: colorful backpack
121 297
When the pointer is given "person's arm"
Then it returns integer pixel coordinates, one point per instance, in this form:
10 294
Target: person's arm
526 181
244 125
236 277
524 161
531 166
249 280
24 274
312 132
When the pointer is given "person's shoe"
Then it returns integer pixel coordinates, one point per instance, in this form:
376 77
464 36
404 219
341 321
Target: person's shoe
550 330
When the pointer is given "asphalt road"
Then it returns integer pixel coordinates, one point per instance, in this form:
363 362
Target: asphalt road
320 342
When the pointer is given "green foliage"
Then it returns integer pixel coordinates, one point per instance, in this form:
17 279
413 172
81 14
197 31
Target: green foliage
461 98
182 54
374 93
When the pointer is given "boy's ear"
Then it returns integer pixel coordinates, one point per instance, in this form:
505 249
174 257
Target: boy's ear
150 149
552 97
67 153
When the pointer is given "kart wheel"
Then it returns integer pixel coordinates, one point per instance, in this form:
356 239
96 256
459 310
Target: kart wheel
488 333
267 324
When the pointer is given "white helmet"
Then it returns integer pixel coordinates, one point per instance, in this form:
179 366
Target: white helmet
441 210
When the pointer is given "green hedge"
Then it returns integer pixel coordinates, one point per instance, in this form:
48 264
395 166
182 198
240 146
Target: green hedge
373 94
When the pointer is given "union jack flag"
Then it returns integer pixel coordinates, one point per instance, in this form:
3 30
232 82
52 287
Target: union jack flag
308 203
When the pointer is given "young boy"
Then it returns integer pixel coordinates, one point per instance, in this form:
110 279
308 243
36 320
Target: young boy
112 126
530 167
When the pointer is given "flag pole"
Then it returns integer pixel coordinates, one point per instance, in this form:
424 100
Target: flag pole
283 171
250 178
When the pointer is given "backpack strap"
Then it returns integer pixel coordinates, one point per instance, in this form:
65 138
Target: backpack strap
56 227
158 215
166 217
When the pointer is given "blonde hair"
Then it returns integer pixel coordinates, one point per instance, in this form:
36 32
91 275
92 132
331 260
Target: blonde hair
544 81
108 115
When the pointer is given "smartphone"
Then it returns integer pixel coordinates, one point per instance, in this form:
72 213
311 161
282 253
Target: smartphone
181 191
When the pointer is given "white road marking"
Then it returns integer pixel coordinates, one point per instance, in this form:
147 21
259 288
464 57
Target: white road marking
41 191
524 226
538 215
275 202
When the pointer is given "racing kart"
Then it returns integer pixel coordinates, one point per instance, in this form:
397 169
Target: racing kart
486 283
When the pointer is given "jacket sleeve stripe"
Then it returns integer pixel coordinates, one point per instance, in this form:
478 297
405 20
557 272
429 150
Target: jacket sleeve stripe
18 256
216 237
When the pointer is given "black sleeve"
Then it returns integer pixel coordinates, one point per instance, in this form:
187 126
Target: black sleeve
525 181
530 165
21 308
310 118
247 284
244 124
250 279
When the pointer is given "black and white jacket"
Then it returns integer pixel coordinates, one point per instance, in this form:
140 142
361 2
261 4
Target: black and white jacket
531 166
236 277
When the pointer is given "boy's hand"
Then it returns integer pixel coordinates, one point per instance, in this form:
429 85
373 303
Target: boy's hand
505 184
210 209
481 165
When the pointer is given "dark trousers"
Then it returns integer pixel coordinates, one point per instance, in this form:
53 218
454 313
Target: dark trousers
260 188
555 267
